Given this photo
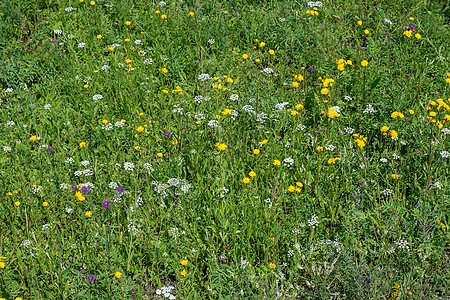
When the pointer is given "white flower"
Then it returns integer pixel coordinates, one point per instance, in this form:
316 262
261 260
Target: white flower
77 173
313 222
137 42
69 160
105 68
107 126
288 162
9 90
128 166
445 131
445 154
387 21
248 108
386 192
148 61
234 97
69 210
69 9
198 99
113 185
204 77
383 160
211 41
57 31
10 124
369 109
261 117
118 124
81 45
349 130
6 149
177 109
329 147
199 117
173 181
403 244
280 106
88 172
148 167
213 123
348 98
301 127
85 163
47 106
97 97
314 4
268 70
45 227
26 243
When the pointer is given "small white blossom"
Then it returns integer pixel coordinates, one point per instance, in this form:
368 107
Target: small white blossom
6 149
211 41
97 97
268 70
204 77
57 31
69 160
313 222
128 166
234 97
81 45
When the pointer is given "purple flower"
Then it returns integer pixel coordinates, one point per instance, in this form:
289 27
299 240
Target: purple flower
106 204
120 190
311 69
168 134
54 41
412 27
50 148
84 189
91 277
74 186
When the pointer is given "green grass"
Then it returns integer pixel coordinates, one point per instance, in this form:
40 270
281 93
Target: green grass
308 228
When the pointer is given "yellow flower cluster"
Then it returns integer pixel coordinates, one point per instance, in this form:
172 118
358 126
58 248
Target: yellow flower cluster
332 113
360 141
296 110
178 90
448 78
298 78
2 263
297 188
313 12
219 85
341 63
396 114
438 105
333 160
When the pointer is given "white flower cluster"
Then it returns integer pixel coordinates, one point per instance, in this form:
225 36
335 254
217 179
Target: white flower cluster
113 185
69 9
6 149
211 41
403 244
261 117
445 154
81 45
348 98
386 192
330 147
97 97
204 77
313 222
234 97
69 160
268 70
166 292
128 166
213 123
314 4
36 189
280 106
369 109
223 192
288 162
47 106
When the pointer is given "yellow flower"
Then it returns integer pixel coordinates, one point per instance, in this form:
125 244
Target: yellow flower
410 293
349 62
92 2
291 188
295 84
33 138
246 180
163 17
394 176
164 70
411 18
262 44
105 121
99 36
298 190
264 142
359 22
165 91
140 129
276 162
256 151
159 154
86 86
407 33
174 142
411 112
191 14
384 129
319 148
183 273
128 23
123 121
294 112
332 113
45 204
397 286
221 147
272 265
9 194
82 144
126 40
117 275
366 31
364 63
341 67
252 174
2 266
271 52
244 56
17 203
324 91
88 214
137 148
257 60
157 12
299 184
184 262
418 36
198 122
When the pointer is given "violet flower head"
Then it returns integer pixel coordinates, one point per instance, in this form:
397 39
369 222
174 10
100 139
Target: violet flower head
91 278
50 148
106 204
54 41
412 27
74 186
120 190
168 134
84 189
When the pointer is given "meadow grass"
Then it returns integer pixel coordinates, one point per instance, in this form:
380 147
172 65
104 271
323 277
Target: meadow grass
224 149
